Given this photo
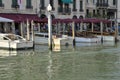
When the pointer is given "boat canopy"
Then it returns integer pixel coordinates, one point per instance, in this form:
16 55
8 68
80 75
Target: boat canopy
20 17
2 19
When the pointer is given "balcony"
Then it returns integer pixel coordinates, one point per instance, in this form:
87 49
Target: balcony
43 8
15 6
81 10
74 9
102 5
29 7
64 11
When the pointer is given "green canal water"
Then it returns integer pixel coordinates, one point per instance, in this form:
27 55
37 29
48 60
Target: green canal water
83 62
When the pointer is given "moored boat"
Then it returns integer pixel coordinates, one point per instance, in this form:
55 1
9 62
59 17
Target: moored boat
108 38
12 41
84 37
42 38
87 39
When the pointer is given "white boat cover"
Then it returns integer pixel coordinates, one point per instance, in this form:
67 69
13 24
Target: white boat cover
2 19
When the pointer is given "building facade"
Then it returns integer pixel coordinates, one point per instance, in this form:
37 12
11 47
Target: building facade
76 9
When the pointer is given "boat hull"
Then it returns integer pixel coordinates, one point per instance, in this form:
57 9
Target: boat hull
16 45
62 41
107 38
41 40
87 40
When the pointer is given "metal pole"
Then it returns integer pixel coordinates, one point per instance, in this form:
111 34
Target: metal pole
50 31
73 32
81 26
39 27
58 29
116 24
13 27
32 29
92 26
21 26
101 26
28 32
63 32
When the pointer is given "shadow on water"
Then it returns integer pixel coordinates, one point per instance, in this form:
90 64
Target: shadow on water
88 62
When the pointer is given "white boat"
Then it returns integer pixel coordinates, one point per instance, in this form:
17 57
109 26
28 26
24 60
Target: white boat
87 39
7 53
63 40
12 41
42 38
107 38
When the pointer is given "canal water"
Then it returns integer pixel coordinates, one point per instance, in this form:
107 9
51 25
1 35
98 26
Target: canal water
83 62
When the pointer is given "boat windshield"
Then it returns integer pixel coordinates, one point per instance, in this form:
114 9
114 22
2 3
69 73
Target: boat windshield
14 37
42 35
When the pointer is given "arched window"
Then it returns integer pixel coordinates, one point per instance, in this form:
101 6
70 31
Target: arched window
43 16
81 17
74 17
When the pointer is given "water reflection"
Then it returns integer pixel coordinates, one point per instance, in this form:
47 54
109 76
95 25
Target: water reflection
49 67
107 44
7 53
95 62
62 48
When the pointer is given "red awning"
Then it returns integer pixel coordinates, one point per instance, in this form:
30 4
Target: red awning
57 20
92 20
54 21
78 20
68 20
20 17
87 20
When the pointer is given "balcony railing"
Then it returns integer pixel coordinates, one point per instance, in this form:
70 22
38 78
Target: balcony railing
15 6
64 11
74 9
43 8
29 7
81 10
102 5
